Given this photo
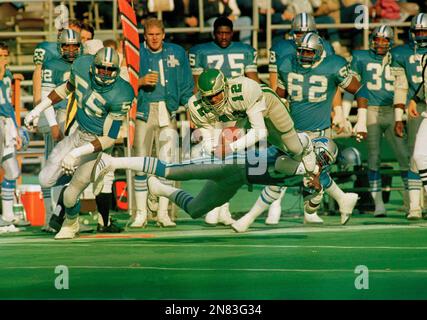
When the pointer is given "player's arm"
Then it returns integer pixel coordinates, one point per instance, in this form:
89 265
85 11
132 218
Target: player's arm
272 70
37 84
251 68
111 130
254 111
349 82
55 96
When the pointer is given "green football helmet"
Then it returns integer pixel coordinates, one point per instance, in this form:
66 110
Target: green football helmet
211 83
66 38
105 68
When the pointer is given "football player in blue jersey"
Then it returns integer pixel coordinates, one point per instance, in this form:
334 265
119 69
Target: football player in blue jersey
225 178
56 71
301 24
407 66
232 58
103 100
45 51
310 81
372 68
10 141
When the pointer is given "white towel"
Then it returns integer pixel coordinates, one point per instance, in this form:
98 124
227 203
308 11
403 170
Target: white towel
164 118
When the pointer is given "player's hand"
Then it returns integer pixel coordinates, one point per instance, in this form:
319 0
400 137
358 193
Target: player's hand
222 150
313 181
412 109
56 132
399 129
68 164
31 120
18 142
360 131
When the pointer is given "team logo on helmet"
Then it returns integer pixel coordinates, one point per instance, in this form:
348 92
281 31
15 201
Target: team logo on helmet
381 39
69 45
212 83
326 151
105 68
310 49
418 30
302 24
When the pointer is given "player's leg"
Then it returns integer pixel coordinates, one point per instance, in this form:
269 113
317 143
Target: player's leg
79 182
8 186
280 126
167 144
47 191
143 144
414 180
103 204
420 158
268 195
275 210
374 148
400 148
214 193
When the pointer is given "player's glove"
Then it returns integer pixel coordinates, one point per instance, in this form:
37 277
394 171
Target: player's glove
360 130
31 119
69 164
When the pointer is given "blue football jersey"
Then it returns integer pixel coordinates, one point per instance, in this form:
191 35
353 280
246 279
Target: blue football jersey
55 72
377 77
409 59
45 51
285 48
311 90
95 102
235 60
6 108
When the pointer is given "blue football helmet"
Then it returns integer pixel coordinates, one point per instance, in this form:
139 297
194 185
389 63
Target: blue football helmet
326 151
310 49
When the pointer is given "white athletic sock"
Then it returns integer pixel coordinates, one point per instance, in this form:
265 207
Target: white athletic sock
414 199
335 192
258 208
378 200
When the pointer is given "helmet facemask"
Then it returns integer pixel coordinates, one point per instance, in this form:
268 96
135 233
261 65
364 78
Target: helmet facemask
309 50
105 68
213 90
381 40
326 151
69 45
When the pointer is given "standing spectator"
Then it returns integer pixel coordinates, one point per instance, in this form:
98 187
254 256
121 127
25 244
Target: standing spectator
165 83
87 32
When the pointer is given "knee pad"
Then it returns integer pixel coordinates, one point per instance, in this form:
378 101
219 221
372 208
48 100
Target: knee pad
11 167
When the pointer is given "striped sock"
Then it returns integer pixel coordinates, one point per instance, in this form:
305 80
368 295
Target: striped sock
182 199
7 195
270 194
423 176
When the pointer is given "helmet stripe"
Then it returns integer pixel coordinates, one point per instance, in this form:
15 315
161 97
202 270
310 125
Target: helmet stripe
109 55
420 18
304 21
70 34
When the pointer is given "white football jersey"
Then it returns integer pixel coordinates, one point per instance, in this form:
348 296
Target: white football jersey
244 99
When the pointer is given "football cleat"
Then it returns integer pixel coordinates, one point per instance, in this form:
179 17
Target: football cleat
69 230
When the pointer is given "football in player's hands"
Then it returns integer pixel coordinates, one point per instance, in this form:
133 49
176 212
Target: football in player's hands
228 135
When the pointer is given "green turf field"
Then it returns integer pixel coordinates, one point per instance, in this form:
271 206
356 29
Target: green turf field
195 261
